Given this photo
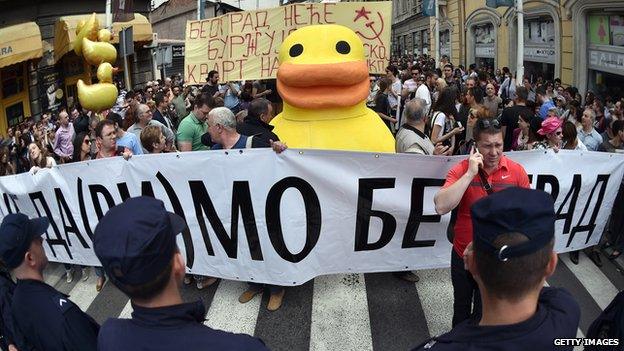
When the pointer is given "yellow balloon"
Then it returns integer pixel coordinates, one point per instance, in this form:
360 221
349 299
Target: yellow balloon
79 26
96 53
96 97
104 35
105 73
89 30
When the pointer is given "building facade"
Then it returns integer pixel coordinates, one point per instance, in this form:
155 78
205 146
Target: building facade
44 78
579 41
169 22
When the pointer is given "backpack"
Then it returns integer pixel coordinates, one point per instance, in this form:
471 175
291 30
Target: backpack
609 324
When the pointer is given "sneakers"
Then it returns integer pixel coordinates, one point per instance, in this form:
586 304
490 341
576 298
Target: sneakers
69 275
85 274
275 302
248 295
205 282
100 283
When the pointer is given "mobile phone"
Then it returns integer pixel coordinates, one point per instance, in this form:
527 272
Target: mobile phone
459 124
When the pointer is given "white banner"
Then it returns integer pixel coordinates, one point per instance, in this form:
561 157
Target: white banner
284 219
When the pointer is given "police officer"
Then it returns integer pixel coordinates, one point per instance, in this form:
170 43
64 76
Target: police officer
510 258
45 317
136 244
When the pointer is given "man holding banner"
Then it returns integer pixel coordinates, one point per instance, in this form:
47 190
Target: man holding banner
486 170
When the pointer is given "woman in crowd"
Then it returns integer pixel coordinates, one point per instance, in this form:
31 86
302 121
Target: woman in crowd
6 167
39 158
382 106
553 132
82 147
521 134
440 85
82 152
570 138
535 138
443 128
153 139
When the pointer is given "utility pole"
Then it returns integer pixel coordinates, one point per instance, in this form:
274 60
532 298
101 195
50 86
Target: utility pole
436 34
520 58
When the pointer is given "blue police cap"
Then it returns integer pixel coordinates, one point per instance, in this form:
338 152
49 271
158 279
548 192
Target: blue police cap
135 240
17 232
515 210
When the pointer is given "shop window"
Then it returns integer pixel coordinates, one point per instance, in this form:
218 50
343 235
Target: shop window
72 65
484 34
539 31
13 80
606 30
15 114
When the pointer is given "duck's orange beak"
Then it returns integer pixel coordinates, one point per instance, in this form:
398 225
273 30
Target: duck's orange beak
329 85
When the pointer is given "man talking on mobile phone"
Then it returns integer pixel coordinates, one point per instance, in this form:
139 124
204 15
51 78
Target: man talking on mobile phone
486 171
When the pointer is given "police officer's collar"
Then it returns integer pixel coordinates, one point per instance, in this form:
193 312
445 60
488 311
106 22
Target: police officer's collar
471 331
192 312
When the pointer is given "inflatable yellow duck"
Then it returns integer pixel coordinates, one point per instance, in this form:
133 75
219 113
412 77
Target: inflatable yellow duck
101 53
323 80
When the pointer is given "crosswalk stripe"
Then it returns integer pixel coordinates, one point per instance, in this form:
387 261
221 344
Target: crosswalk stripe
127 311
53 273
564 278
226 313
83 292
340 319
436 296
592 278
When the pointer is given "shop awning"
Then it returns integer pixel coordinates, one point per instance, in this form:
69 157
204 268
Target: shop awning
65 31
21 42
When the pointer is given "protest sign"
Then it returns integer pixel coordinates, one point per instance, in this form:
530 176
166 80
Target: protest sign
244 45
284 219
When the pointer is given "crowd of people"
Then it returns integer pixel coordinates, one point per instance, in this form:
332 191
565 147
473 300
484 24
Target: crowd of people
431 108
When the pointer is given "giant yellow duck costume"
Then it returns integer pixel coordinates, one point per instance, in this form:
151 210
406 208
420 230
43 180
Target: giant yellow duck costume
323 80
93 44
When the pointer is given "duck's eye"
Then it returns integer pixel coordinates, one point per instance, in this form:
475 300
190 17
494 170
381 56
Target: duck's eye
296 50
343 47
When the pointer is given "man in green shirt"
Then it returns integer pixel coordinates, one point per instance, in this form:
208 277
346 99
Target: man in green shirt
194 125
179 103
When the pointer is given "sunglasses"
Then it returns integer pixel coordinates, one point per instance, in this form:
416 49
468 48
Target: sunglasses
487 123
87 142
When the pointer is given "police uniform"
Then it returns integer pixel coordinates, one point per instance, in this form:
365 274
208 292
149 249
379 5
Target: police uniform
9 333
135 241
46 318
531 213
49 320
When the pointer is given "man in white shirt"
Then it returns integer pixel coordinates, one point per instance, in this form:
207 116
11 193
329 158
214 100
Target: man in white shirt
410 85
422 92
395 90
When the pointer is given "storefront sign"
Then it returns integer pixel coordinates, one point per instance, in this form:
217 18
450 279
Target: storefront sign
485 51
244 45
51 89
178 51
6 50
606 61
542 54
